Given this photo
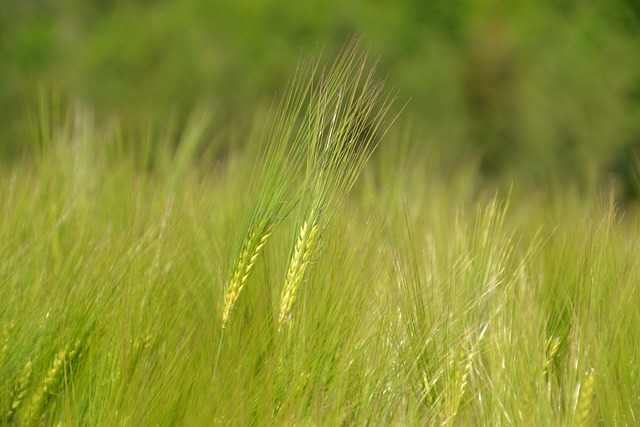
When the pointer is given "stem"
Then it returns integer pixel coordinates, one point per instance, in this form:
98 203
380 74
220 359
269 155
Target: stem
215 366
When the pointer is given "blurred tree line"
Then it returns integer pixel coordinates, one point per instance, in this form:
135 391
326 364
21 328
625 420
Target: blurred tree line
536 91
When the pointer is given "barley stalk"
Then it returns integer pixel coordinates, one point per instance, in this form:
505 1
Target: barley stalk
297 268
341 107
245 263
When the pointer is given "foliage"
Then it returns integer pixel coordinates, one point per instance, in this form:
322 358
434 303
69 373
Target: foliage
533 91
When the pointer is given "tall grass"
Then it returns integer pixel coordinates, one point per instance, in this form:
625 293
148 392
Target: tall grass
400 298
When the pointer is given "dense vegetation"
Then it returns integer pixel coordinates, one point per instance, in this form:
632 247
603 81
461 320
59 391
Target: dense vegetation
540 92
302 278
201 224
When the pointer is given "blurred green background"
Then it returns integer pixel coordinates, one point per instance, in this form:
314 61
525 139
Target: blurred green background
535 92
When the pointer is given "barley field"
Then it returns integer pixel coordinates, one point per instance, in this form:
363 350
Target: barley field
307 267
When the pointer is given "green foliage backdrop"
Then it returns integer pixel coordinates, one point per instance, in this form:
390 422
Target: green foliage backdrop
533 91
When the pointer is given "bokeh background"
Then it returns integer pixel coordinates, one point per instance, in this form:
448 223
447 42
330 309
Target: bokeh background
534 92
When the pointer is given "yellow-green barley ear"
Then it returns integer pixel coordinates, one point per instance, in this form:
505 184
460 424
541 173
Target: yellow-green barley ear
552 347
20 391
457 387
6 336
244 265
584 408
51 383
303 250
38 400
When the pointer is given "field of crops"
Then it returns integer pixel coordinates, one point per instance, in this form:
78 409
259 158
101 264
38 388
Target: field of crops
306 268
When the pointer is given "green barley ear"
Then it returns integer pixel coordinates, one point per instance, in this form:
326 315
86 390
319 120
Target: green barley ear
552 347
244 266
49 385
458 387
20 391
52 382
6 337
302 253
585 399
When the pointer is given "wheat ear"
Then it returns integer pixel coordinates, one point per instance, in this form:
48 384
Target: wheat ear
297 268
245 263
